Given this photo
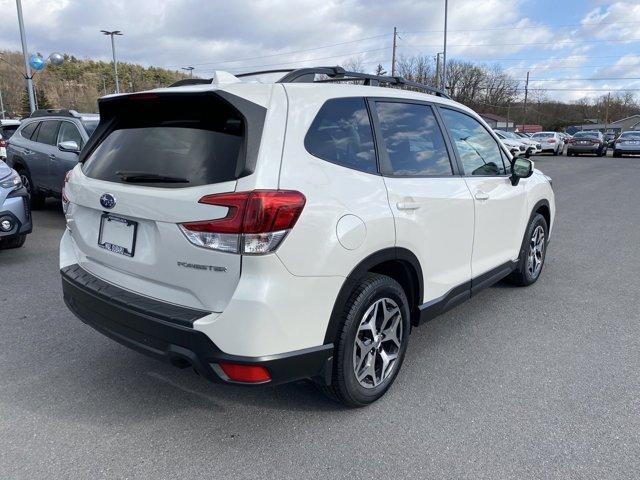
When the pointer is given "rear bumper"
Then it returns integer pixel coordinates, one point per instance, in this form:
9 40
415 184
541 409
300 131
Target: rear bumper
16 209
628 150
585 149
164 331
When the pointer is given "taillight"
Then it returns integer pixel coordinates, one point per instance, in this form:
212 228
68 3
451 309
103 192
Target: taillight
256 222
3 143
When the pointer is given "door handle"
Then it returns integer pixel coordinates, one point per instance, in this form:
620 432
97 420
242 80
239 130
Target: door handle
480 195
408 205
51 155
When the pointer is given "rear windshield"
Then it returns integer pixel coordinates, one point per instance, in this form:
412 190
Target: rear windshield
542 135
171 143
630 135
8 131
585 134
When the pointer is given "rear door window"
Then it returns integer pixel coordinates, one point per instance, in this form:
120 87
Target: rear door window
341 134
413 140
48 132
171 143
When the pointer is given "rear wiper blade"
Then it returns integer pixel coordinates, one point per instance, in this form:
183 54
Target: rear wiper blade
144 177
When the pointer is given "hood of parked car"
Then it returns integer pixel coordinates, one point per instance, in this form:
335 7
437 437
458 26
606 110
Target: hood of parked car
5 170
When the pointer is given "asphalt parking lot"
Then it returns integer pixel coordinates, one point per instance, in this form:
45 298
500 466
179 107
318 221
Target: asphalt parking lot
540 382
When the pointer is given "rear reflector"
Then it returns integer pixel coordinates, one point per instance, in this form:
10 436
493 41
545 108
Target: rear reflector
256 222
245 373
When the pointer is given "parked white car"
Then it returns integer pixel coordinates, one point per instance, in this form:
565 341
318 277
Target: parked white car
532 147
266 233
550 142
7 129
515 147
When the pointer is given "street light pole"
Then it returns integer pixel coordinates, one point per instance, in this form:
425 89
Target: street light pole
444 53
190 70
25 53
113 52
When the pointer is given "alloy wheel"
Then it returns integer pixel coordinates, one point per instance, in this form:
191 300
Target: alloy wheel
536 252
377 343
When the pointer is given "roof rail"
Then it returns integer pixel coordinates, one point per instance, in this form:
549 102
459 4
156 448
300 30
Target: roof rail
55 112
339 74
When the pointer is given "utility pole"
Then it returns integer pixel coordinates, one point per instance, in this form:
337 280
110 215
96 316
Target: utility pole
113 52
28 77
393 52
444 53
526 96
2 105
606 115
190 70
438 69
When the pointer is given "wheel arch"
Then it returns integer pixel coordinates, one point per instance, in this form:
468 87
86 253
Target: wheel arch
398 263
543 208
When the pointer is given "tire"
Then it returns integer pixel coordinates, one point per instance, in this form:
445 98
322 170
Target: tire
528 154
555 153
36 199
524 274
373 296
15 242
617 154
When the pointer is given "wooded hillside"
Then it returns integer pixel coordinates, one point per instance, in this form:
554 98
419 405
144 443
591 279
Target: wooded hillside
76 84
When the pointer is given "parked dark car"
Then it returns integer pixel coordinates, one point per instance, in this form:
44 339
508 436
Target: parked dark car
587 142
45 147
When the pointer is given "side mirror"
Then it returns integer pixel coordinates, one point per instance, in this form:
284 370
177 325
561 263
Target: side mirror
69 146
520 168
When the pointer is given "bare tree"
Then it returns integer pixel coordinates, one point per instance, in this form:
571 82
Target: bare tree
354 64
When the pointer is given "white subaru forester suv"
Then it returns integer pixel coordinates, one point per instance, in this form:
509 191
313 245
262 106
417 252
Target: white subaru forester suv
263 233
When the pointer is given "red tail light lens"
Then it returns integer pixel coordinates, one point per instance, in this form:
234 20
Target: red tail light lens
245 373
3 143
256 222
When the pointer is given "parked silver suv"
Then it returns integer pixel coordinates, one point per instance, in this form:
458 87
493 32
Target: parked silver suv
15 216
46 147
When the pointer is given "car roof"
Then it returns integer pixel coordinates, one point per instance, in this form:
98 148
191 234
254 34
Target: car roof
260 91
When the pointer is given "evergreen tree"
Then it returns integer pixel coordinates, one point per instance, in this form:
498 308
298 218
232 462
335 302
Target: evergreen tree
380 70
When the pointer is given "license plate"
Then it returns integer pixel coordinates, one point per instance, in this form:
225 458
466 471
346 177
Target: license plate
118 235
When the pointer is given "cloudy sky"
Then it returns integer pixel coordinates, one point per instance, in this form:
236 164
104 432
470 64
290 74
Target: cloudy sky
572 48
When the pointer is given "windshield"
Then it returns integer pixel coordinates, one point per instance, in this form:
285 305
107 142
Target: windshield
543 135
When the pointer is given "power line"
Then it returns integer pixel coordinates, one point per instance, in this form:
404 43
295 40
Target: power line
522 28
286 62
571 66
557 42
290 52
583 79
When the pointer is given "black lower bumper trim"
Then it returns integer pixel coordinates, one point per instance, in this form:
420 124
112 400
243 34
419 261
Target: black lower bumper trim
173 341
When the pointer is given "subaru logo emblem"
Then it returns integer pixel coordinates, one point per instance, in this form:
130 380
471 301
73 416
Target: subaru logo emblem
107 200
